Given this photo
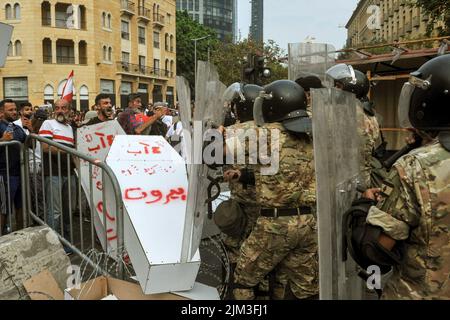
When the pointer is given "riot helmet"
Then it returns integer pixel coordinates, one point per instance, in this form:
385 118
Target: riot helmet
242 97
349 79
283 101
425 99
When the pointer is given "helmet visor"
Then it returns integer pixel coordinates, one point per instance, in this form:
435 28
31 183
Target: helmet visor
258 111
404 105
341 72
233 92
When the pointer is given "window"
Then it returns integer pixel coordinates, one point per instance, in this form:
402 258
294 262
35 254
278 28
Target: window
167 42
17 11
125 30
125 57
105 53
169 18
197 5
141 32
109 54
171 43
156 66
48 94
191 5
156 40
8 12
171 68
10 49
65 52
142 64
109 21
166 68
84 98
47 50
16 88
18 47
104 19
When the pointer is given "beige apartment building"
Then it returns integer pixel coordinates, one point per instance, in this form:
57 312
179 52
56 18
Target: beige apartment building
113 46
393 20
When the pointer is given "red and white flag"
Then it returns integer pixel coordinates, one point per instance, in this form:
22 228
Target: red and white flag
67 93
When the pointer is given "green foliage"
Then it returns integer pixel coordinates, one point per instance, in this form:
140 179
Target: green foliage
439 13
188 29
230 59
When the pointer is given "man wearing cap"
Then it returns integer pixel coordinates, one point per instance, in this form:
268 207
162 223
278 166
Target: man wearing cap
127 119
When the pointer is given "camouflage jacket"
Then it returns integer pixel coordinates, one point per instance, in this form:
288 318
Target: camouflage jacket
245 194
369 131
294 183
416 209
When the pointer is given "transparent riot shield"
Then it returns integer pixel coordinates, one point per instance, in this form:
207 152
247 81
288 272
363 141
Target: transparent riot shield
336 152
310 58
208 113
184 102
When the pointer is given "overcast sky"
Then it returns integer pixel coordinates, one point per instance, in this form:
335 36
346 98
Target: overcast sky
290 21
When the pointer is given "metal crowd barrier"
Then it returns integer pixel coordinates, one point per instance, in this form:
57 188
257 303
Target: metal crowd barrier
6 205
36 207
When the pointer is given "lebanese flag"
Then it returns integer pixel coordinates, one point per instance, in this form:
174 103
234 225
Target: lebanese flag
67 93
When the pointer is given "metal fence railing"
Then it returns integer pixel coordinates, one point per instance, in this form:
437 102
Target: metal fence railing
12 216
52 195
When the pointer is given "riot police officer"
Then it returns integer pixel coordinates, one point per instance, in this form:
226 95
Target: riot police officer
241 97
284 239
356 82
410 225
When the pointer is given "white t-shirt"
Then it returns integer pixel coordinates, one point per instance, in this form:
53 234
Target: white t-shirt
37 149
58 132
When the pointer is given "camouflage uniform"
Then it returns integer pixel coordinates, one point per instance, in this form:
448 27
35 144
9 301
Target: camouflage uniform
369 131
287 245
417 211
245 195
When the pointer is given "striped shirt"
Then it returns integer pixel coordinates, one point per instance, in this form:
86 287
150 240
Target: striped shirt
63 134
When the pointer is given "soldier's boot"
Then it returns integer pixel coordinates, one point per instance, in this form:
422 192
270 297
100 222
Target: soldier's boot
262 291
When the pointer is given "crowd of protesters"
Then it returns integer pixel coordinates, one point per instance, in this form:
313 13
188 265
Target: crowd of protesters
59 123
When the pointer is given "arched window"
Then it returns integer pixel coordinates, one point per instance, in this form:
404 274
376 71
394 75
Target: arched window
61 87
109 54
17 11
166 69
18 48
109 21
105 53
167 42
171 67
8 12
49 93
171 43
84 98
10 49
104 19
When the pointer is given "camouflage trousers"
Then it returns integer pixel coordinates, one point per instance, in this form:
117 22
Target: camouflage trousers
285 245
233 244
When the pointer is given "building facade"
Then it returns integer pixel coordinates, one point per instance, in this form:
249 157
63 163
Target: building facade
257 26
385 21
113 46
220 15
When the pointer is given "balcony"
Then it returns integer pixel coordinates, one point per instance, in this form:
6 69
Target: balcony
125 35
47 59
127 7
65 60
416 22
158 20
144 14
142 71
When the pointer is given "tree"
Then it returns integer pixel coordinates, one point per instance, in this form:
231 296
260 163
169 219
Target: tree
188 29
230 59
439 13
